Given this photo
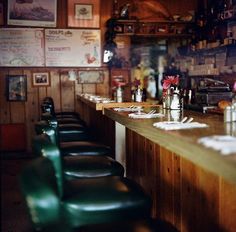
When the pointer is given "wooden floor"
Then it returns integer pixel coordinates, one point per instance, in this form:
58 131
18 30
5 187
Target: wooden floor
14 217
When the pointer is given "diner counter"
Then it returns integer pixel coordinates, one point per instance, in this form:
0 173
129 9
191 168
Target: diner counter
184 142
99 105
183 178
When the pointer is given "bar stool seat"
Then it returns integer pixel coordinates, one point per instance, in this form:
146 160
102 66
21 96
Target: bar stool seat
87 166
82 201
84 148
104 199
69 121
84 166
73 132
66 132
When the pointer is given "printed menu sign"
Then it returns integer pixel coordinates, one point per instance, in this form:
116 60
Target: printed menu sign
21 47
70 48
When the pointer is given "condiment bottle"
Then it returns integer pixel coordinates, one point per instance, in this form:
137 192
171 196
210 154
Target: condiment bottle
119 94
175 102
138 95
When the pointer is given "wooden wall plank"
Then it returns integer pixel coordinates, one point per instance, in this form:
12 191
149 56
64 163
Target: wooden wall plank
31 109
42 93
17 109
166 185
208 188
176 191
103 88
189 196
4 104
227 206
55 89
67 94
89 88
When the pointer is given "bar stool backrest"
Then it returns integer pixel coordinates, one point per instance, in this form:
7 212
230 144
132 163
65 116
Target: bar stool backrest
52 152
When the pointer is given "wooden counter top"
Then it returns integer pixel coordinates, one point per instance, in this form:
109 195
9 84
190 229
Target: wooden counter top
184 142
100 106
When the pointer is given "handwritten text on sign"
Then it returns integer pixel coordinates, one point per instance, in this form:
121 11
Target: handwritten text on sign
73 48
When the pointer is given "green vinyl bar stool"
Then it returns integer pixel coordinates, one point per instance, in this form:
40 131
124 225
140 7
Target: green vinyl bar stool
78 202
75 147
84 166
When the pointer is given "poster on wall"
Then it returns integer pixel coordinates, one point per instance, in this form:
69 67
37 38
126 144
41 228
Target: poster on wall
16 87
21 47
39 13
90 77
72 48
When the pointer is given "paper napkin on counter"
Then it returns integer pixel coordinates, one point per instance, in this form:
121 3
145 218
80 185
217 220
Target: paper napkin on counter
128 109
226 144
171 125
144 115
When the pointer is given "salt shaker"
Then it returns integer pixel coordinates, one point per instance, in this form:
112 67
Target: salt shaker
228 114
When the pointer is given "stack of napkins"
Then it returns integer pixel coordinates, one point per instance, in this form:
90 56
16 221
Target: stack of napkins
225 144
172 125
128 109
144 115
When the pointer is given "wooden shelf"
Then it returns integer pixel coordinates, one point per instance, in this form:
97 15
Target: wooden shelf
151 28
219 49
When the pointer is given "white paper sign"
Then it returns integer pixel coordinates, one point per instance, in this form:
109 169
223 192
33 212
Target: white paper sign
21 47
72 48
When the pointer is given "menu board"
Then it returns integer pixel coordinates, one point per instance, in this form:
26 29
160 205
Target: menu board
21 47
72 48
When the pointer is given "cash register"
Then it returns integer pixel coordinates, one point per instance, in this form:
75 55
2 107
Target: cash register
210 92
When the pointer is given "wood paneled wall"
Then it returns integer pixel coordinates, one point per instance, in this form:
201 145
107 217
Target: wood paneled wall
61 89
183 194
173 6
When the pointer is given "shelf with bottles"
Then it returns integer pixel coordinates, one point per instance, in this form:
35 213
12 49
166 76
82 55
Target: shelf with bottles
212 50
154 28
209 62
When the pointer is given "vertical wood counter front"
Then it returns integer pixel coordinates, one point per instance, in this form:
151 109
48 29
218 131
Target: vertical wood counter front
192 187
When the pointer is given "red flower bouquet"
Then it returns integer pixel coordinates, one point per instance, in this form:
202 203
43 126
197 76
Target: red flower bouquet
170 81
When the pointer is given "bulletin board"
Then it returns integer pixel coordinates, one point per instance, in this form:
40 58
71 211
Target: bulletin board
22 47
72 48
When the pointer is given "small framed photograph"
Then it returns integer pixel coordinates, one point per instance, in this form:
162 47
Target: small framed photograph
84 13
119 28
16 87
41 79
129 28
38 13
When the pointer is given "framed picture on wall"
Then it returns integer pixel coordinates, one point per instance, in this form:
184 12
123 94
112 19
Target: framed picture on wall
38 13
84 13
16 87
90 77
41 79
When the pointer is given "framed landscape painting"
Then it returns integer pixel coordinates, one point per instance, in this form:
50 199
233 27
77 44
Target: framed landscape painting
38 13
